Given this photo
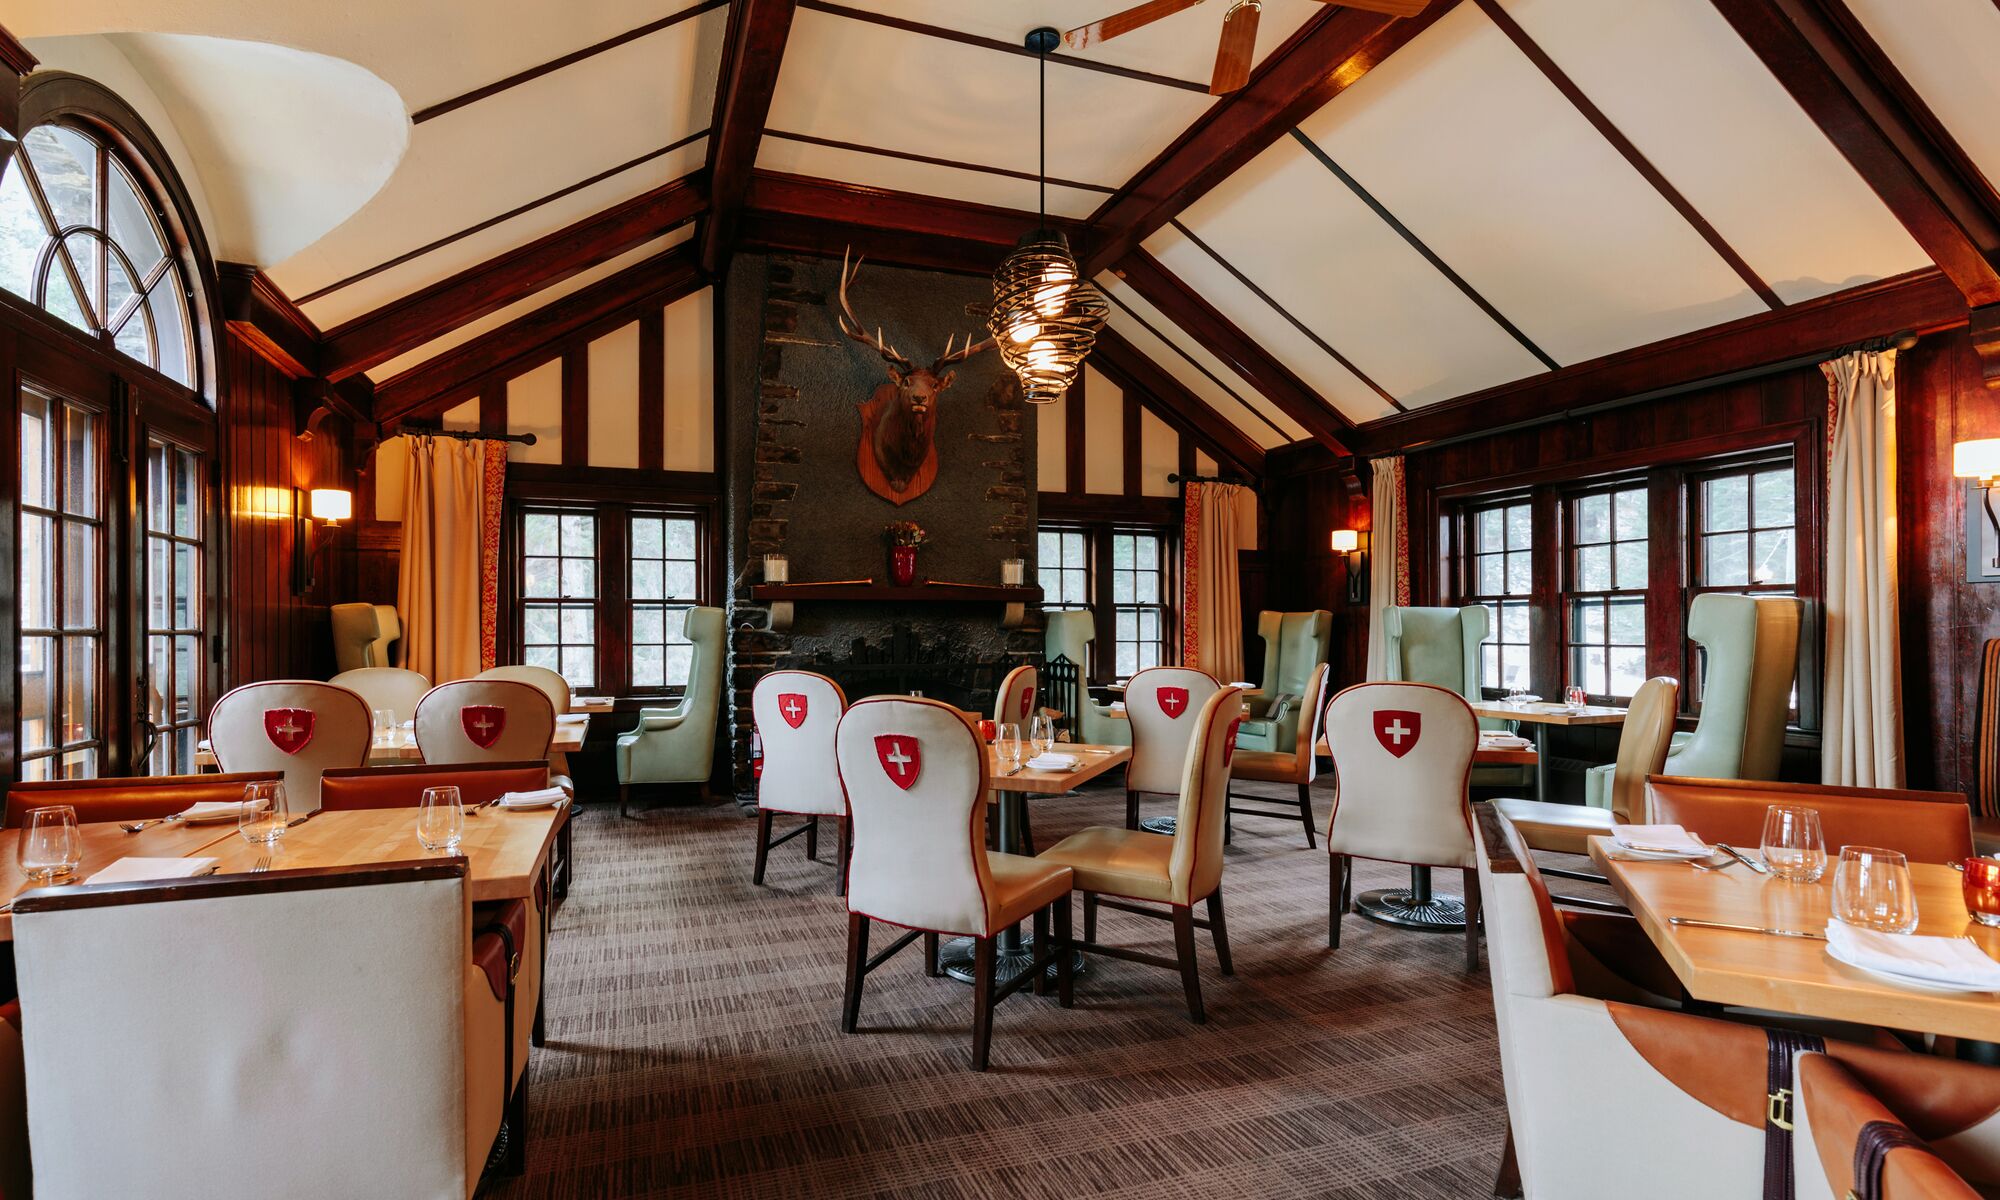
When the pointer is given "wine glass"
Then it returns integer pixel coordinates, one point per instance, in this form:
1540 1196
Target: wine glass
1042 732
1872 890
1794 847
440 819
1009 742
50 849
265 813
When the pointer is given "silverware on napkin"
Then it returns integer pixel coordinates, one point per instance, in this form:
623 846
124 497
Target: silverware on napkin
1693 923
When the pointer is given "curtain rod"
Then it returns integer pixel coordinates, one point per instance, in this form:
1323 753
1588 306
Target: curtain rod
1179 478
526 439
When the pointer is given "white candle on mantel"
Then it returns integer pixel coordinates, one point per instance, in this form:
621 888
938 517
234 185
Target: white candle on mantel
1013 572
777 568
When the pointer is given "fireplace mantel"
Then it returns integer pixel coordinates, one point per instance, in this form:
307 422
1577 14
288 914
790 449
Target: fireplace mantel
781 597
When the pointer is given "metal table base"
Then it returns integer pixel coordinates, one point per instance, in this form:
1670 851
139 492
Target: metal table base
1013 949
1165 825
1416 907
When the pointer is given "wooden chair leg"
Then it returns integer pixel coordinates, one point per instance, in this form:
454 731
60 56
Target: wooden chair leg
1472 910
857 959
1306 813
1090 916
931 955
982 1002
1507 1181
1228 822
763 845
1346 884
1219 931
812 838
624 799
1336 897
1065 957
1041 983
844 830
1131 809
515 1163
1190 970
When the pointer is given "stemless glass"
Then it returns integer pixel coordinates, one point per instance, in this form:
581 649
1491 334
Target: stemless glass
265 814
1794 847
1009 742
440 819
1042 732
49 848
1575 696
1872 890
385 727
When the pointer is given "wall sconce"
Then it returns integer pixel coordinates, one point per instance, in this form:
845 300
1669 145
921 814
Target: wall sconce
1354 544
1979 461
330 505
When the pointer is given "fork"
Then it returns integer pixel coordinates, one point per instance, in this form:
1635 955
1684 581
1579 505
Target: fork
263 864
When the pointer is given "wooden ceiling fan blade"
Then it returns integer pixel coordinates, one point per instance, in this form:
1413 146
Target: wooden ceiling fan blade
1085 36
1237 47
1395 8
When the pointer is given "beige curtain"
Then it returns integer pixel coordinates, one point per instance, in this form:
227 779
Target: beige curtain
1211 599
1388 549
1862 744
439 590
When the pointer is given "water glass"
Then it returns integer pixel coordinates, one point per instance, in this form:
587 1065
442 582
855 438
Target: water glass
1872 890
265 813
440 819
385 727
1042 732
1794 846
1009 742
50 848
1575 696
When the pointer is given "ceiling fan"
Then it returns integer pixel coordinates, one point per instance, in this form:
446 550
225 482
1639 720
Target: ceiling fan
1239 31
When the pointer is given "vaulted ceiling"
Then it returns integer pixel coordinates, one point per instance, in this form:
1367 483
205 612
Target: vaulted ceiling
1392 216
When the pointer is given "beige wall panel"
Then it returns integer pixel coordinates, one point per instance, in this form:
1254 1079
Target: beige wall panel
690 375
1052 446
534 405
614 398
1159 455
1103 435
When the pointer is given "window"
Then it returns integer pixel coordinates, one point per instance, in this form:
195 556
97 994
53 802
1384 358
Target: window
79 238
1501 577
1138 595
1743 525
559 593
1062 567
666 581
1605 593
176 699
61 588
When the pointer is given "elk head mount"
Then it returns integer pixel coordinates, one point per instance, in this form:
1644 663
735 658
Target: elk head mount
897 455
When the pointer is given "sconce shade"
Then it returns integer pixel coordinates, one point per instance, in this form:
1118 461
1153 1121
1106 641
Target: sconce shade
1346 541
332 504
1978 459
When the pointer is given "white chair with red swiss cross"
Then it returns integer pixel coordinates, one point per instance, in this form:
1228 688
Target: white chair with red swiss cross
796 714
1161 704
485 720
1402 760
916 778
298 726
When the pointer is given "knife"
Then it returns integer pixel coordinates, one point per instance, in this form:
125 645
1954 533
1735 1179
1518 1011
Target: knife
1739 856
1692 923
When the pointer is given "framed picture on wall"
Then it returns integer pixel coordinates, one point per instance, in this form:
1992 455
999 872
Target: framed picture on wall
1982 534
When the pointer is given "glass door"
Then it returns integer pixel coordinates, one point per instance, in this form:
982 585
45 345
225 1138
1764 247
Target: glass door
172 693
62 648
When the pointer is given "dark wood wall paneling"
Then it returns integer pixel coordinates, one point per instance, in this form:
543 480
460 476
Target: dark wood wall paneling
1307 495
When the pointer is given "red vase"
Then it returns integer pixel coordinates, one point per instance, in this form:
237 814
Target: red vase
903 565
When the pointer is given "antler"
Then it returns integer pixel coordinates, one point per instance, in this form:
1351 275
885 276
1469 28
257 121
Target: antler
851 324
964 352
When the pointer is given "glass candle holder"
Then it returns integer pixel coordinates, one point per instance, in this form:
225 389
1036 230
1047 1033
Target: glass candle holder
777 569
1013 572
1982 890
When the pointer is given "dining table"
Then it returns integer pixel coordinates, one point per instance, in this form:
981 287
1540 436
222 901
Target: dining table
401 748
1759 967
1009 789
1540 718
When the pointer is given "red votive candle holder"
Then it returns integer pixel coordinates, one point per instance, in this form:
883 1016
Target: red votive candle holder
988 731
1982 890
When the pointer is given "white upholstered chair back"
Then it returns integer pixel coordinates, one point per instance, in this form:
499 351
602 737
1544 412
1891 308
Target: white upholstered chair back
1163 705
277 1068
550 682
919 855
453 718
1016 700
797 713
393 688
1402 755
1195 864
298 726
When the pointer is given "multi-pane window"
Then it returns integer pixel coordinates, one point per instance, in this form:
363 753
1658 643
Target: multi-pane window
175 699
1500 568
1138 596
1744 533
1605 592
1062 566
61 589
558 592
666 582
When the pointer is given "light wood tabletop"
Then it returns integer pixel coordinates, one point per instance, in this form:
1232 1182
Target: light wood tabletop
505 850
1795 975
104 843
1096 761
568 739
1535 714
1485 756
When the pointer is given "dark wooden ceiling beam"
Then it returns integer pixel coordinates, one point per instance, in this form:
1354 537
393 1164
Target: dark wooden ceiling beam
403 325
1325 57
1125 365
457 374
259 313
753 50
1200 320
858 207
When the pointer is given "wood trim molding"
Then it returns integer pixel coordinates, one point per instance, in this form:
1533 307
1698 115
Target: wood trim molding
1123 364
262 317
1324 58
16 60
653 389
402 325
753 49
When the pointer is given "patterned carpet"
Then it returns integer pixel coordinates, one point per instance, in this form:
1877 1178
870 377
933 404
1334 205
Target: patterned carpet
694 1045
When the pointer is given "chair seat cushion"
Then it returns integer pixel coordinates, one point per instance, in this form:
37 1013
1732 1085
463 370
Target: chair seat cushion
1022 884
1264 766
1986 835
1567 828
1117 862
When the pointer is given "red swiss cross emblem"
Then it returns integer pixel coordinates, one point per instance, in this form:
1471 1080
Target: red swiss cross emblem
483 723
1027 701
792 707
1173 701
1229 741
902 759
1398 730
289 728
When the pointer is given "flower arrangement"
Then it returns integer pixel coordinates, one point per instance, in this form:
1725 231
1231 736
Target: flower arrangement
905 533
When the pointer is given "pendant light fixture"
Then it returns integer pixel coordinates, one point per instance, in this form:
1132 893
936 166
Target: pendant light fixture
1045 314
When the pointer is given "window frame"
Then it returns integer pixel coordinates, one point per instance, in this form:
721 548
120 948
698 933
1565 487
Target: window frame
1102 669
1465 573
1806 714
102 630
1164 607
1570 593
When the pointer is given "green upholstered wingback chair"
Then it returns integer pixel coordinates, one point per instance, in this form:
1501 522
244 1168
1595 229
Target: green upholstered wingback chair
1440 646
365 635
1295 643
677 745
1069 636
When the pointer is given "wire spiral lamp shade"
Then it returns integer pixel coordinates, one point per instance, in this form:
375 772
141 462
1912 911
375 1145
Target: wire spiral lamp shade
1045 316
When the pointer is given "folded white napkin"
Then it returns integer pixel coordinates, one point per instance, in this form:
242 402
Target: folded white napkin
1496 740
1054 762
540 798
1658 839
134 870
573 719
1955 962
216 810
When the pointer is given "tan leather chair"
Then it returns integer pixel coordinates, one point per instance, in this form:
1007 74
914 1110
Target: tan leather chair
916 782
1297 766
392 688
365 635
1933 827
1161 704
297 726
484 721
1180 871
1864 1150
1642 748
1015 701
142 798
796 714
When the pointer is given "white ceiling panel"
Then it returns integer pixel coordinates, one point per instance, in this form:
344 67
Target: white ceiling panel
1678 81
923 179
1949 50
1476 152
867 85
1344 273
1322 372
1173 351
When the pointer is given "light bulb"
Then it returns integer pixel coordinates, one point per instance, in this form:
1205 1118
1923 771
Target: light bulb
1026 331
